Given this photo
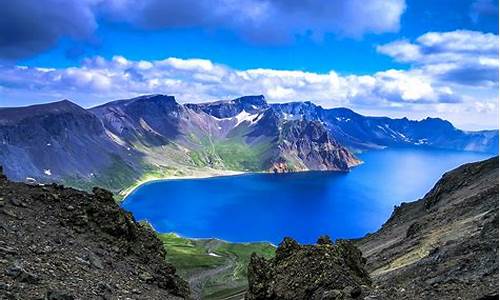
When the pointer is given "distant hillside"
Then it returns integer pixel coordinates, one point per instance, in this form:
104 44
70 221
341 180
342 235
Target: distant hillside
121 142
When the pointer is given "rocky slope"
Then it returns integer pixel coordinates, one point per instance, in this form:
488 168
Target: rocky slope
59 243
443 246
121 142
307 145
44 141
322 271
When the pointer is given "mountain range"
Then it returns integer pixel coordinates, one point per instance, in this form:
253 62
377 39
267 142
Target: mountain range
115 144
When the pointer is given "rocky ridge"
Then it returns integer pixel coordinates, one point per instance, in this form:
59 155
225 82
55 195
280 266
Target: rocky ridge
322 271
60 243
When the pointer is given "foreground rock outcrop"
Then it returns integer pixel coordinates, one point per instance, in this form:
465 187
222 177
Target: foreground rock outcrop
322 271
59 243
444 246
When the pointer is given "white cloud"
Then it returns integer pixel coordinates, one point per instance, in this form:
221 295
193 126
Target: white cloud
457 57
428 88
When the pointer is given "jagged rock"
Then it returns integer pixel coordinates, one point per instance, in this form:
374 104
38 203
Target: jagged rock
59 295
326 270
60 254
444 246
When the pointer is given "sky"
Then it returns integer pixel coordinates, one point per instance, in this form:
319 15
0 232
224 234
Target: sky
413 58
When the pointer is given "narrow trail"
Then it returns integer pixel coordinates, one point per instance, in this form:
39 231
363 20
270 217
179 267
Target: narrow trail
198 280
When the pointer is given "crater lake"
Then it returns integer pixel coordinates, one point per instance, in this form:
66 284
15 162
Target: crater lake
305 205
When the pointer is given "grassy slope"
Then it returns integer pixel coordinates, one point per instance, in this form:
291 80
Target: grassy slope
191 258
232 153
118 175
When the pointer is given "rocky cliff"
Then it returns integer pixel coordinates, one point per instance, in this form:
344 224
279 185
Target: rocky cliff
307 145
59 243
443 246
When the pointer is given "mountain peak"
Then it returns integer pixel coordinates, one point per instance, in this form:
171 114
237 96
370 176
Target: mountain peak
140 101
14 114
156 98
230 108
258 100
61 105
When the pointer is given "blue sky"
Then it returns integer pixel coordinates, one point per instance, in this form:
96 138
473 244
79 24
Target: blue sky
384 57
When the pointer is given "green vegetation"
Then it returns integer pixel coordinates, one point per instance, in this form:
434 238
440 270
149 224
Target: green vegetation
114 177
219 267
231 154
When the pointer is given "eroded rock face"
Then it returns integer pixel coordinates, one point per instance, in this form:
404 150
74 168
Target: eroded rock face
59 243
322 271
311 145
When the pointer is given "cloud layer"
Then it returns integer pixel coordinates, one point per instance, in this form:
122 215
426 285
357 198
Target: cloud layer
452 74
31 26
465 57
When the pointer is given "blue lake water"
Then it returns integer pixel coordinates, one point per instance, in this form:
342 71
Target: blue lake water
268 207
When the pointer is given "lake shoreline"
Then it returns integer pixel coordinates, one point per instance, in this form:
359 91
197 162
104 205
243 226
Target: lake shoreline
202 175
214 173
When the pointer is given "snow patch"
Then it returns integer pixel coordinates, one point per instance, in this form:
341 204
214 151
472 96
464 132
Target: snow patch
243 116
115 138
291 116
342 119
213 254
47 172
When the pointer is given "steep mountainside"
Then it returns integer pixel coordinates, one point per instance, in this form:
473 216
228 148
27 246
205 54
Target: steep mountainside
46 141
59 243
444 246
121 142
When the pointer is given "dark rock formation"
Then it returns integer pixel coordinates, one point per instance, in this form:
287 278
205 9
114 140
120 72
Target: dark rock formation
230 108
322 271
311 147
59 243
444 246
